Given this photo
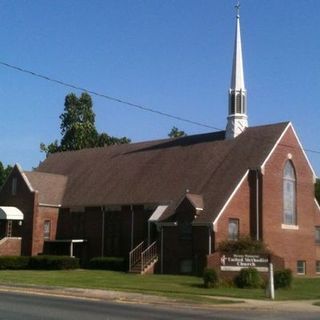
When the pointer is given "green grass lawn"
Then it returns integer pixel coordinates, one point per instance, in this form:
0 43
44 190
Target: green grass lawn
166 285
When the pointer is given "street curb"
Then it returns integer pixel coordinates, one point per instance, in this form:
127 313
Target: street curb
140 298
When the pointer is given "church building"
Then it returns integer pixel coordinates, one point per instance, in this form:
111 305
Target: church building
165 205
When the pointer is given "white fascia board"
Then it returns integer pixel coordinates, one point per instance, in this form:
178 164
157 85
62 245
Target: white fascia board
275 146
317 204
49 205
158 213
305 155
24 177
230 198
301 148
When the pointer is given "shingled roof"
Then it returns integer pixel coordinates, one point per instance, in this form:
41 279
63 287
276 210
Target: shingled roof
160 172
51 187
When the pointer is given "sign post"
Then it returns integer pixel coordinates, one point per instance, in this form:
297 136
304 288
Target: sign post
270 292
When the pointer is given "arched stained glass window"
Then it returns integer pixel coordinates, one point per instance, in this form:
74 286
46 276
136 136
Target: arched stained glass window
289 194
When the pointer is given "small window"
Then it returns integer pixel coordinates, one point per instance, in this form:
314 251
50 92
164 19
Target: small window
318 266
301 267
14 186
233 229
186 266
239 103
317 235
232 103
46 229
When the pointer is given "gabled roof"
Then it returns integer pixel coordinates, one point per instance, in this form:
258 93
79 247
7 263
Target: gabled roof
160 172
51 187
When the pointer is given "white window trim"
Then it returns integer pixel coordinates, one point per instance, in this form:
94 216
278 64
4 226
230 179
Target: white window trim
317 272
304 268
289 227
294 181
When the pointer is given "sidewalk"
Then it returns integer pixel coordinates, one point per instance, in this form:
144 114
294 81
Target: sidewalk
138 298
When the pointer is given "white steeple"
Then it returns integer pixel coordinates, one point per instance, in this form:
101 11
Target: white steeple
237 117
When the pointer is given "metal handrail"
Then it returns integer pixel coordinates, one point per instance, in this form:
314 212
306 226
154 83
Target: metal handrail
148 255
135 255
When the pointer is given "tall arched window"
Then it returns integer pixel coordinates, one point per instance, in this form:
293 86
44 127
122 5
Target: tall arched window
289 194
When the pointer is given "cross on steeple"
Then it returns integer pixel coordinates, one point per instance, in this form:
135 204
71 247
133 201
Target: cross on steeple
237 6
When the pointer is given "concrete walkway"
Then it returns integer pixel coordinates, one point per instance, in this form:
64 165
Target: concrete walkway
138 298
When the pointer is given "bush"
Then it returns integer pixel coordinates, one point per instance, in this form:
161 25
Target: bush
282 278
14 262
53 262
244 245
107 263
249 278
210 278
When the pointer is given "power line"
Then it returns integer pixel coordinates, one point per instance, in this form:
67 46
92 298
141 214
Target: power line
118 100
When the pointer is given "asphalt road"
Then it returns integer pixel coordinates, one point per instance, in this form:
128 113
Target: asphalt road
15 306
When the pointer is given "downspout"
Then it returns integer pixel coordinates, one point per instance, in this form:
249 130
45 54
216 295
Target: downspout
161 251
257 207
132 226
209 239
102 231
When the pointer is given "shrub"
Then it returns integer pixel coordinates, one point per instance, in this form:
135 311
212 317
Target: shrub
282 278
53 262
244 245
249 278
107 263
210 278
14 262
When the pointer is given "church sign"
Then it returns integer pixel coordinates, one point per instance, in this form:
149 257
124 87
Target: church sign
236 262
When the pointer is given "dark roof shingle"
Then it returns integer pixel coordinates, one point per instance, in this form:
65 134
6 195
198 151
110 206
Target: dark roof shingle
51 187
161 171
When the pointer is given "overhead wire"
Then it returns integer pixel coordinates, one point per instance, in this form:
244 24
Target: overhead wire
122 101
105 96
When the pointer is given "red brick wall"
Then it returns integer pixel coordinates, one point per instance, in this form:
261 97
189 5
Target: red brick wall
238 208
88 225
293 245
23 200
10 247
43 214
177 248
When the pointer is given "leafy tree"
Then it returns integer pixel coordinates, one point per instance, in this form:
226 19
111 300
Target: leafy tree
78 123
317 190
78 128
4 172
105 140
176 133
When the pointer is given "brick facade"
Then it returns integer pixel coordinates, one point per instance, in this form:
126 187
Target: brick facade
10 247
257 203
298 244
292 244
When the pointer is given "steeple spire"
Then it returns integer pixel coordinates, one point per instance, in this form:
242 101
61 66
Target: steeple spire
237 116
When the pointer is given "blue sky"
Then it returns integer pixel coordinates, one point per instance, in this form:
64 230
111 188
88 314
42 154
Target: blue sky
174 56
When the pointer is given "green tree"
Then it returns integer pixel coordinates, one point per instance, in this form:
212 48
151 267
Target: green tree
105 140
176 133
4 172
78 123
317 190
78 128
